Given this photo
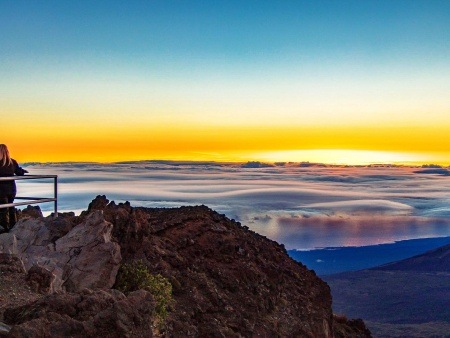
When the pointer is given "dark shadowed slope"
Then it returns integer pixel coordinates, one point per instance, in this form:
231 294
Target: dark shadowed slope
393 298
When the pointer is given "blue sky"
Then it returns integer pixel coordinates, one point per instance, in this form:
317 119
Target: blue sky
227 32
231 66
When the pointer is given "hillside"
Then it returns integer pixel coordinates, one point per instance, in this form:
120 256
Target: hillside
405 298
437 260
227 281
327 261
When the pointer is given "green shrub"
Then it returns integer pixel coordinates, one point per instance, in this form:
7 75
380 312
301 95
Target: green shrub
136 276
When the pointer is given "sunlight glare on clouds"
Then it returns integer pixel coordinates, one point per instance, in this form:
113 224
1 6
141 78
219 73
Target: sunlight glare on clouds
356 157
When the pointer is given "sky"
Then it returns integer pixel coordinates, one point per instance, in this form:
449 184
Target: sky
328 81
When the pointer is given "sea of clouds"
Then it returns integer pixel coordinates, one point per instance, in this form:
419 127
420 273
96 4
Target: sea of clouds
303 206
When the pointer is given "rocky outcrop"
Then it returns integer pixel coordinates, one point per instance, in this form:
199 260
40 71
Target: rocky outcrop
10 263
40 280
99 313
344 327
30 212
78 255
227 280
14 290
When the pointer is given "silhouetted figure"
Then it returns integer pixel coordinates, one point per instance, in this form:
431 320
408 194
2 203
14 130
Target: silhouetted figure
8 167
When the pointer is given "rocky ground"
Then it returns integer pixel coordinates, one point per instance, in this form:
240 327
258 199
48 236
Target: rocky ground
227 281
14 288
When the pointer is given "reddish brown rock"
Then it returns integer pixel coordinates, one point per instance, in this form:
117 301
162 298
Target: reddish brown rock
31 211
86 314
90 258
40 279
10 263
228 281
78 251
345 328
14 291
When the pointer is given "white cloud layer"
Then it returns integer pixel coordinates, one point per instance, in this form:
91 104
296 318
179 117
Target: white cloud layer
302 207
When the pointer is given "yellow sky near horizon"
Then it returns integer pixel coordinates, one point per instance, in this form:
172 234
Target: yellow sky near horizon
51 116
107 142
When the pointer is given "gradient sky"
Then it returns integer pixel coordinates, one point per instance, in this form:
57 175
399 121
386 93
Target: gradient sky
225 80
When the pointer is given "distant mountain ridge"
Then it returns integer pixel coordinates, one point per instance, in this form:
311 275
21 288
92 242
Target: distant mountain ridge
407 298
437 260
328 261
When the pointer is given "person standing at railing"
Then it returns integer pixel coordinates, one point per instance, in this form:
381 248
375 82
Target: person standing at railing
8 167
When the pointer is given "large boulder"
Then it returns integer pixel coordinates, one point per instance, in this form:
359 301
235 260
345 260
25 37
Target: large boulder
92 258
80 256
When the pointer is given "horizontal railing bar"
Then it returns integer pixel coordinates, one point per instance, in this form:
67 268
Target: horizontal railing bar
30 198
34 201
26 177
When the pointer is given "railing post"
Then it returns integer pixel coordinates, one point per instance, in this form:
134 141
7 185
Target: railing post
56 195
33 200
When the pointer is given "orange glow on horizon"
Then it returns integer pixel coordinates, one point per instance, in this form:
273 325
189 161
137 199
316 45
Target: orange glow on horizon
106 143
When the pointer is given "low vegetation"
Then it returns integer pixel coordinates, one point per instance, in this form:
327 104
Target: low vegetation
136 276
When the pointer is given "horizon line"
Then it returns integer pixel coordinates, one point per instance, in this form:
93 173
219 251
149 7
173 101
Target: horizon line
255 162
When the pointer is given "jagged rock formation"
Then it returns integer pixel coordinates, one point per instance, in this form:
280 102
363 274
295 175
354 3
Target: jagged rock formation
99 313
14 289
227 280
81 256
344 327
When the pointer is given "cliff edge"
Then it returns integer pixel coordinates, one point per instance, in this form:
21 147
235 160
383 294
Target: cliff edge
226 280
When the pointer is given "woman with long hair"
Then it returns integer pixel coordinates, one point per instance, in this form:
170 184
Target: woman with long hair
8 167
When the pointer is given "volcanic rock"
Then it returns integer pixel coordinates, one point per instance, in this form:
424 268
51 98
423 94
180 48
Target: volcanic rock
14 291
32 212
10 263
227 280
84 257
40 279
100 313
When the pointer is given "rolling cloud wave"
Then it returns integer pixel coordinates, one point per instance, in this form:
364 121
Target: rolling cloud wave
302 207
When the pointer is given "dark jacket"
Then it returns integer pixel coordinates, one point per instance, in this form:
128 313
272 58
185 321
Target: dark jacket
9 187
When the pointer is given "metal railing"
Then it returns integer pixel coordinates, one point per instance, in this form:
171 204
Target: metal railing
33 200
